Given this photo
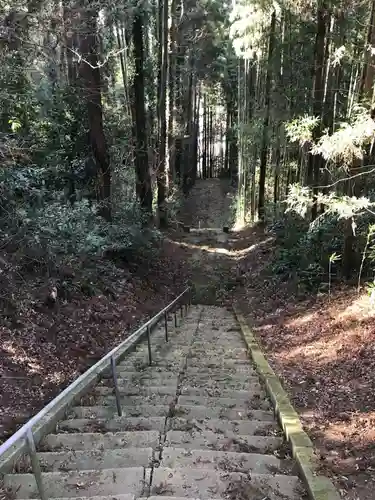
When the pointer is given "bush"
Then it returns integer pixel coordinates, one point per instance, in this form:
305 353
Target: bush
303 250
42 236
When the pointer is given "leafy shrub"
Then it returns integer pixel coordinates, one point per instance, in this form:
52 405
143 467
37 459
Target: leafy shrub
41 236
303 250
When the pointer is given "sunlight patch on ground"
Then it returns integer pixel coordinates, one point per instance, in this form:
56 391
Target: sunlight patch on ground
359 420
21 357
235 254
361 307
307 318
251 248
204 248
320 351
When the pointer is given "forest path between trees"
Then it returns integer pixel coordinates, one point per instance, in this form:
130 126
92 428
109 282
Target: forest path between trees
215 258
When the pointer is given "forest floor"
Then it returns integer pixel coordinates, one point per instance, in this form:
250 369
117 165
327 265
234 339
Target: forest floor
321 347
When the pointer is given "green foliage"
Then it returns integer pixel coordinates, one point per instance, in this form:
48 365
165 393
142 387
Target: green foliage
301 129
304 250
46 234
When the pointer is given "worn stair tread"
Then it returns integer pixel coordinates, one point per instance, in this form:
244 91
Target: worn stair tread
141 384
146 377
114 424
104 441
220 426
111 497
206 483
95 459
208 391
199 411
174 498
256 401
224 461
220 362
231 442
243 370
171 366
223 381
129 411
77 484
146 399
136 390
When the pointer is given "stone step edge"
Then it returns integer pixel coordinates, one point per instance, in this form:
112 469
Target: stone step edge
318 487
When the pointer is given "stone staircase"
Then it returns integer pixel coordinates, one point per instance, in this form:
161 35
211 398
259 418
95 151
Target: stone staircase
195 424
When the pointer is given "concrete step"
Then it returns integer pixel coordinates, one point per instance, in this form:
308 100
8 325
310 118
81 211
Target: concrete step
208 379
219 426
165 353
156 366
78 484
136 390
221 362
147 376
256 401
212 351
212 385
112 425
146 399
112 497
205 483
211 358
216 392
202 412
208 440
127 411
174 458
106 441
95 459
221 370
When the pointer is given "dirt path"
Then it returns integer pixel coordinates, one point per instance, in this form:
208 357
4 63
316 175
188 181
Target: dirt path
210 204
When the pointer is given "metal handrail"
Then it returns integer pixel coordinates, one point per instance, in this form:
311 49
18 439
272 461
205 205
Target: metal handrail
26 433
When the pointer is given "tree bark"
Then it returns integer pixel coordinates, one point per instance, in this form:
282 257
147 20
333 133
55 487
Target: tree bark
161 172
143 184
267 101
91 78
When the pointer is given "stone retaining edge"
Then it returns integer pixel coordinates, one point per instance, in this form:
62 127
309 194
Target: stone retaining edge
318 487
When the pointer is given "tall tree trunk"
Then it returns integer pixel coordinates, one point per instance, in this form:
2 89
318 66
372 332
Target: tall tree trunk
267 101
161 172
143 184
315 162
90 74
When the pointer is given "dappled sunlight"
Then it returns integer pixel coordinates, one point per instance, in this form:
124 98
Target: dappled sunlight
307 318
205 248
357 420
230 252
18 356
320 351
361 307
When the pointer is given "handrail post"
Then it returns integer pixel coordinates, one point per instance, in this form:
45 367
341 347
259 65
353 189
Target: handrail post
149 346
182 311
37 471
115 383
175 318
166 326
